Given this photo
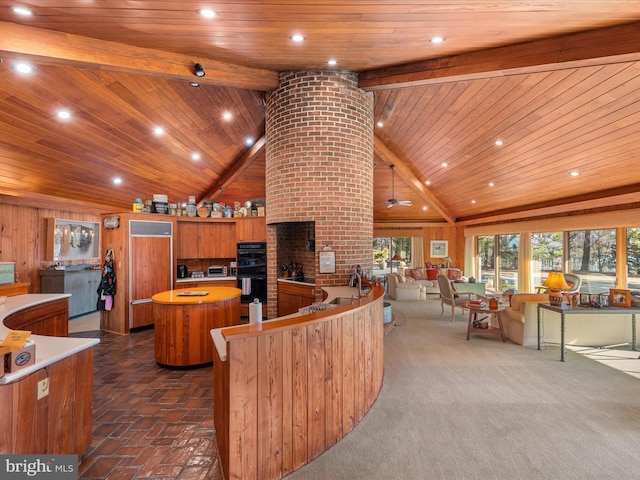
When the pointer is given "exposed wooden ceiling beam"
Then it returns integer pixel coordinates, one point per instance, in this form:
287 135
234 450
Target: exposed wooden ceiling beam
613 198
407 174
57 48
236 169
596 47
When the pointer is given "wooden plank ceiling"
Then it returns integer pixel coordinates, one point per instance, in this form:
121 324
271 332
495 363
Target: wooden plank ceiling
557 82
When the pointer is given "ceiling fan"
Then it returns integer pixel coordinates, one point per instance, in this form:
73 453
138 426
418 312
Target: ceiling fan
393 200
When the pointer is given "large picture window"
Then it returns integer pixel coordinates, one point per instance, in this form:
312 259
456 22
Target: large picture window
546 255
508 266
633 258
592 256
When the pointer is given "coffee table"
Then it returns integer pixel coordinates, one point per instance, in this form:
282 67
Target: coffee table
474 310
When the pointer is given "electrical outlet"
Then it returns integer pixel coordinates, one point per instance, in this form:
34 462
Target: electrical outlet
43 388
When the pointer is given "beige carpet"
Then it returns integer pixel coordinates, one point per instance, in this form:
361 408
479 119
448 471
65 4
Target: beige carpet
483 409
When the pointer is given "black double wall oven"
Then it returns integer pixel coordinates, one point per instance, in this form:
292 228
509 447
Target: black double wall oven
252 271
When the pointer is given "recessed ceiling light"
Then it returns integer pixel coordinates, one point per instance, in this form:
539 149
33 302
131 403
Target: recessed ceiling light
332 62
444 164
63 114
427 182
195 156
249 141
207 13
498 142
158 131
23 68
380 124
23 11
491 184
226 115
117 181
194 84
575 174
437 39
425 208
473 201
297 37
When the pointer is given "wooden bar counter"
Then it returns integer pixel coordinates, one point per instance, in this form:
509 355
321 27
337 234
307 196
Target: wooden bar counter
288 389
183 323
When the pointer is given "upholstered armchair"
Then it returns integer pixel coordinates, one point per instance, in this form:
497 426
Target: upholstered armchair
449 296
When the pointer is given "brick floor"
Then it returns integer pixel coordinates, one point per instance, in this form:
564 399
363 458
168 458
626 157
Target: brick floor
149 422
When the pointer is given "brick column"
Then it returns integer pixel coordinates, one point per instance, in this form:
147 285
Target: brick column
319 168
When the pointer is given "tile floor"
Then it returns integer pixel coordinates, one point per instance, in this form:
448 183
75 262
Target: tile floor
149 422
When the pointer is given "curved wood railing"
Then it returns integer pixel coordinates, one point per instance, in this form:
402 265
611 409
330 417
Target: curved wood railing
289 389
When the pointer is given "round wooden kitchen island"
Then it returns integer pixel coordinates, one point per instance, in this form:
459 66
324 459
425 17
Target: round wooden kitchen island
183 322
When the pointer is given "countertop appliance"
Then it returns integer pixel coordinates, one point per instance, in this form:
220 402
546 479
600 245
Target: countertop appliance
197 274
234 267
183 271
252 271
217 271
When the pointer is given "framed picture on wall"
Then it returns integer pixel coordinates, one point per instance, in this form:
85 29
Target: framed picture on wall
327 262
72 240
439 249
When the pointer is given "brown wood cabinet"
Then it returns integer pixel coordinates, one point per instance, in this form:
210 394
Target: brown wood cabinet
206 238
292 297
58 423
187 240
217 240
51 318
143 266
251 229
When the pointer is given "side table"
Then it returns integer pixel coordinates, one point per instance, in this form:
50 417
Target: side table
473 315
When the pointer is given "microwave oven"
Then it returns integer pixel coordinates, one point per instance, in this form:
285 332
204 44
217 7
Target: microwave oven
217 271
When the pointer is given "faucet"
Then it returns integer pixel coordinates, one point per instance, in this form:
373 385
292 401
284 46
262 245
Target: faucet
356 275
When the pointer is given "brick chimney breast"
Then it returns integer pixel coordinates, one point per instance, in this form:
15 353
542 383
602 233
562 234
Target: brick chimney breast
319 167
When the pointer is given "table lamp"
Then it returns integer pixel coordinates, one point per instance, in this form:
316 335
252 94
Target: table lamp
555 282
396 258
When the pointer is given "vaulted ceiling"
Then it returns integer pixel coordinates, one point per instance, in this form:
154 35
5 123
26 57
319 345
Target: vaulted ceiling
557 82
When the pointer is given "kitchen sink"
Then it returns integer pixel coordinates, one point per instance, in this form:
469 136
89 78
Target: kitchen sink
341 301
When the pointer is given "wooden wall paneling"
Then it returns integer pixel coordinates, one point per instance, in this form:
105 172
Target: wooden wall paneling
61 396
25 430
19 222
360 380
299 416
270 414
83 397
315 382
348 373
335 366
243 412
44 410
368 358
287 402
6 419
221 415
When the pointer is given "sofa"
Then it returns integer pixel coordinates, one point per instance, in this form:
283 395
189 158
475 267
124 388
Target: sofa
421 276
520 321
402 288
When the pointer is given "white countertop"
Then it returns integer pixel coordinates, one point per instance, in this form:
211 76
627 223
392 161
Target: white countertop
204 279
48 349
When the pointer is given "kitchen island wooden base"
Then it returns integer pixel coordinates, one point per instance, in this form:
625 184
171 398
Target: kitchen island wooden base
183 323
